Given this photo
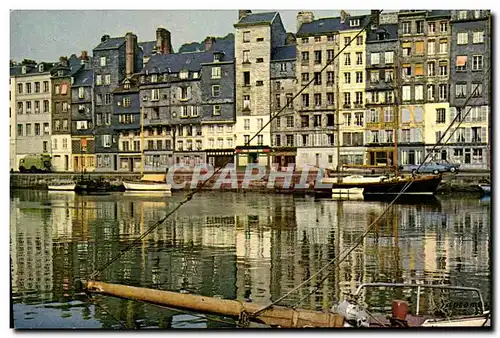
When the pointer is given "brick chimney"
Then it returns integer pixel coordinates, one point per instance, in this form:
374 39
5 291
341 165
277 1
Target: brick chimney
243 12
209 43
163 41
130 45
104 38
343 16
375 17
304 17
84 55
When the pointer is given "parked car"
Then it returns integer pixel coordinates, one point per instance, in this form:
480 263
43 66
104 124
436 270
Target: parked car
435 167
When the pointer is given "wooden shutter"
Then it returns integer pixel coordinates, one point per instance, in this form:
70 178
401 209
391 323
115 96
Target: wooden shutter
189 93
179 93
419 47
382 136
483 135
468 135
484 113
419 69
412 135
451 136
453 113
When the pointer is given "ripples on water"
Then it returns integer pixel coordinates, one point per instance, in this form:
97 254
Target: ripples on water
252 247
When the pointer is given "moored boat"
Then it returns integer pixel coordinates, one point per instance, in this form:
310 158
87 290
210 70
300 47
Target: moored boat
485 188
149 183
66 187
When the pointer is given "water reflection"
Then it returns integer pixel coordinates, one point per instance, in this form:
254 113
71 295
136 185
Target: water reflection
249 246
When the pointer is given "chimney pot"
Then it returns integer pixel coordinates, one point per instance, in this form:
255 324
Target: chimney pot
163 41
243 12
104 38
85 55
209 43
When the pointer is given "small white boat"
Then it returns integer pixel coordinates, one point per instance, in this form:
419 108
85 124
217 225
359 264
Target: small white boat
486 188
149 183
70 186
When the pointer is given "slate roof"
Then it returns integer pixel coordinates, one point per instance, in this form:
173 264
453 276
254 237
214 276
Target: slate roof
190 61
111 43
438 13
257 18
329 25
147 47
15 70
83 78
283 53
392 29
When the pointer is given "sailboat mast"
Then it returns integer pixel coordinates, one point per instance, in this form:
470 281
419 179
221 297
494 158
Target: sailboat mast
337 108
395 89
142 141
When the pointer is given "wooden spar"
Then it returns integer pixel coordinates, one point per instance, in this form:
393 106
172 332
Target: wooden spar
275 316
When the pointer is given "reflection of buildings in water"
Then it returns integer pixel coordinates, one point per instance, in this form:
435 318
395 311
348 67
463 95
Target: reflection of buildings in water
62 204
31 249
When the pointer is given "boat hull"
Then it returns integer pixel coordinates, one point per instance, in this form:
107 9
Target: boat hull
138 186
485 188
420 185
64 187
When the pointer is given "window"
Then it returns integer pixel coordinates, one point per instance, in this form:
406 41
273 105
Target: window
477 62
246 56
359 40
103 61
246 102
388 97
37 129
45 86
28 107
440 115
277 104
461 90
305 77
330 78
462 38
420 26
443 92
406 26
28 88
419 92
375 97
419 69
19 130
216 72
375 58
107 79
45 106
329 54
477 89
246 78
347 40
305 58
57 125
289 100
246 36
431 89
305 40
359 98
331 38
46 128
81 93
260 39
359 58
478 37
406 70
65 107
419 47
247 139
98 80
317 78
431 68
374 136
431 44
246 124
354 22
215 90
107 118
154 78
304 119
347 99
405 135
305 100
28 129
289 140
443 46
184 111
443 68
260 123
19 107
57 89
347 59
347 77
462 15
317 39
359 77
37 87
406 48
277 140
317 100
477 14
216 110
317 120
347 119
330 99
20 88
389 57
317 57
126 101
107 98
406 93
283 66
358 119
389 75
443 26
289 122
388 114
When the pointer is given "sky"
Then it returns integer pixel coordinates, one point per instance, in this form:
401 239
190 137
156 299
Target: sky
45 35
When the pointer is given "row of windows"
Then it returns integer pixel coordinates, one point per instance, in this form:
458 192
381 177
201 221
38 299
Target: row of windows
418 27
307 121
25 129
28 107
99 82
28 88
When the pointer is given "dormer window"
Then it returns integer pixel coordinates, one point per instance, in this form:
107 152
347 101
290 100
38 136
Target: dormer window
126 85
217 57
354 22
183 74
23 70
154 77
40 68
60 73
195 75
381 36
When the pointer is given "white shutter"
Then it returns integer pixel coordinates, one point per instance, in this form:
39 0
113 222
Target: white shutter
453 113
451 138
189 93
406 115
325 139
468 135
412 135
367 137
179 93
484 113
483 135
419 135
382 136
469 114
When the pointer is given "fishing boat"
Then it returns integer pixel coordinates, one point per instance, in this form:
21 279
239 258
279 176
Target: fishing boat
148 183
485 189
66 187
347 313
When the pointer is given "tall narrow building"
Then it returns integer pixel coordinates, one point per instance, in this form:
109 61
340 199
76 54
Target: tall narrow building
255 37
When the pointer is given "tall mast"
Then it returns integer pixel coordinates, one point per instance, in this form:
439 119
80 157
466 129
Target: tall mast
337 106
142 141
396 108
